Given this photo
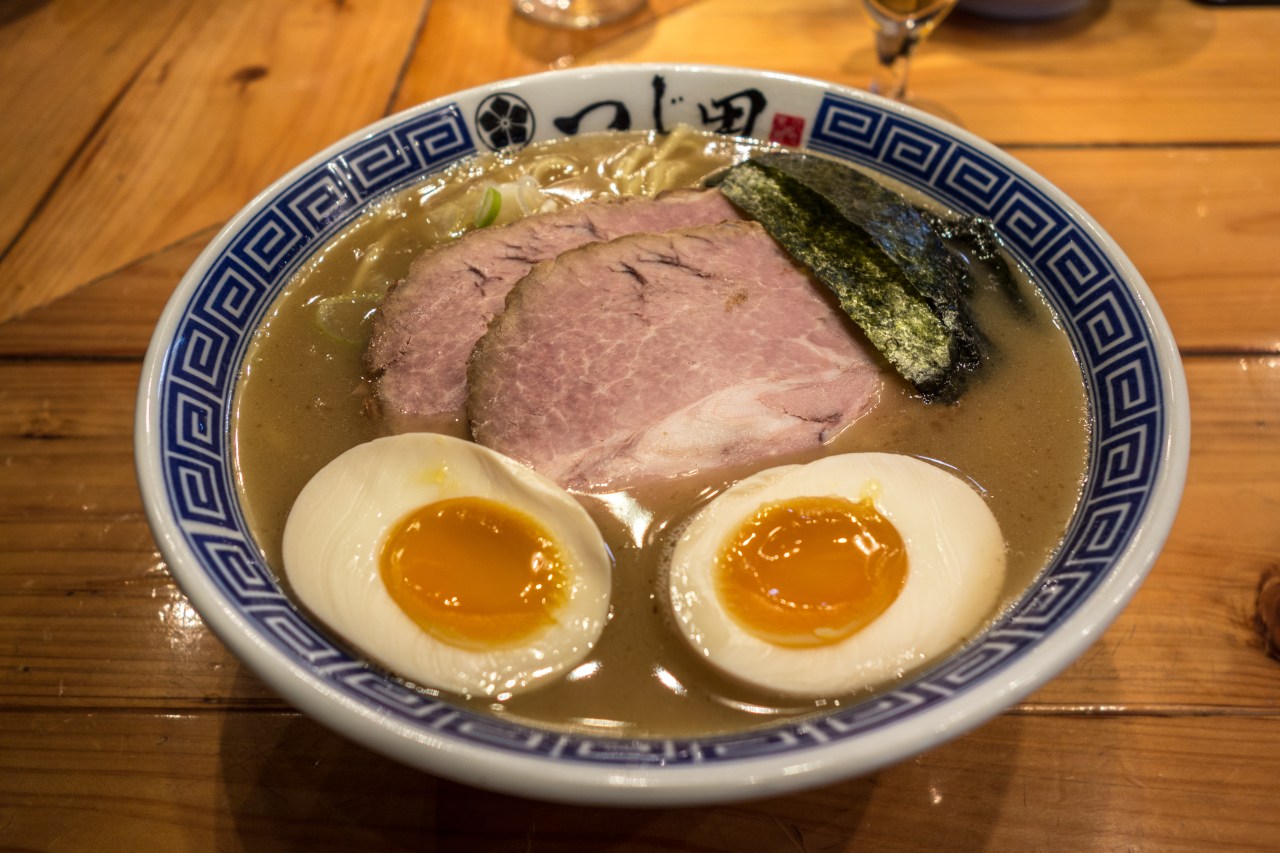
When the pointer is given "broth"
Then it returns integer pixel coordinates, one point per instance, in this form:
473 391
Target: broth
1019 433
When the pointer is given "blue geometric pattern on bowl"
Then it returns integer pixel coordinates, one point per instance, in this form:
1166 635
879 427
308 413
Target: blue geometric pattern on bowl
1101 316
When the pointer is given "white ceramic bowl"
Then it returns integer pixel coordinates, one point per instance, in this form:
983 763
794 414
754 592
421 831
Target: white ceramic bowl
1136 468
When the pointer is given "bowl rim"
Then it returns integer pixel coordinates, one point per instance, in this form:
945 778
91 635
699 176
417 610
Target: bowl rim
662 783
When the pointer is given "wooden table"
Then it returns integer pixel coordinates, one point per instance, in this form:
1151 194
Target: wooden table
132 130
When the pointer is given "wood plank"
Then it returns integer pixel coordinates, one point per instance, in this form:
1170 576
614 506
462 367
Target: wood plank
92 618
48 403
75 554
135 646
1149 71
112 317
50 479
97 619
62 68
1188 635
249 780
115 557
201 131
1163 207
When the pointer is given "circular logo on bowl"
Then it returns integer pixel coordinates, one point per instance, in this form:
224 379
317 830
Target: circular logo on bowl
504 120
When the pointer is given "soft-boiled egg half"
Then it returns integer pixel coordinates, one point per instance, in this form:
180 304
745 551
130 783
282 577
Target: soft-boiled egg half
449 564
819 579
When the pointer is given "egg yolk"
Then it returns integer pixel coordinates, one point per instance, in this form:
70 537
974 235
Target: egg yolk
474 573
811 571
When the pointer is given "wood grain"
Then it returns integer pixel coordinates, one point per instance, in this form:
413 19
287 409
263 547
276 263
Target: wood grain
113 316
173 155
1163 207
1142 71
253 781
54 97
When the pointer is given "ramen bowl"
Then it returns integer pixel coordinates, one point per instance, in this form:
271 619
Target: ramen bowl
1136 458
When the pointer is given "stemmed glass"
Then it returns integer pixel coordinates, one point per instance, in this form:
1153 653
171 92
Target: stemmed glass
900 25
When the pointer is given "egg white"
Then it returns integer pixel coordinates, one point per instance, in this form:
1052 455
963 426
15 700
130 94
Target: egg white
956 566
335 533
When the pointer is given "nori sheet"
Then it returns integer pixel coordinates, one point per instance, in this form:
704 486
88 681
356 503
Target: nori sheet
891 271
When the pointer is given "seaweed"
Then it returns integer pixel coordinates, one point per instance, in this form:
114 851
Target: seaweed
982 242
903 231
871 288
893 273
919 239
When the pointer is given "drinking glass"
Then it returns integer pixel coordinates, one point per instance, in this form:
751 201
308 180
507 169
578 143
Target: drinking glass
900 25
577 14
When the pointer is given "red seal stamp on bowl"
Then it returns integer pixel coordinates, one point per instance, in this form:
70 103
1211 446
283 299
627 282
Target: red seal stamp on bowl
786 129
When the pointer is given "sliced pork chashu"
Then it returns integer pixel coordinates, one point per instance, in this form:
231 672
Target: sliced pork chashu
656 355
428 323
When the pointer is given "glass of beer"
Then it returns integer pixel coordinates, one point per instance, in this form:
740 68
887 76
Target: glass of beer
900 25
